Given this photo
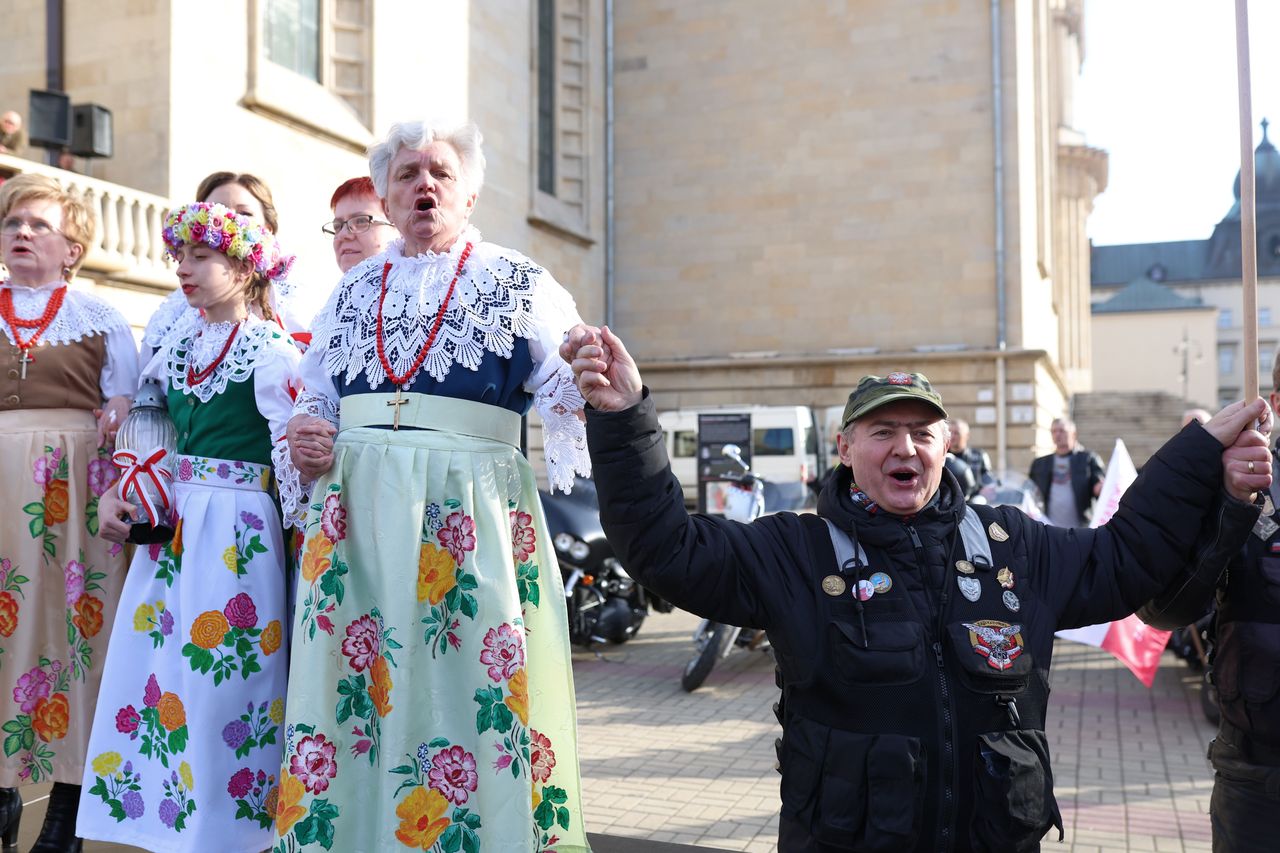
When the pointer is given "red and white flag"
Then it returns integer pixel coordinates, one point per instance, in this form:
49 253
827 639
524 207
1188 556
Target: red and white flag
1134 643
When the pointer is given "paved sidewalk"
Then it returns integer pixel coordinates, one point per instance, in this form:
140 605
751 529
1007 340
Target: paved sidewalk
658 763
663 765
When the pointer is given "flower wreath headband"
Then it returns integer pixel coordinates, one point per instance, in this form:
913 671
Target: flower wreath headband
235 235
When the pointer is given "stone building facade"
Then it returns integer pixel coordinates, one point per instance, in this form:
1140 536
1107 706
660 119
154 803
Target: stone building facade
806 197
797 199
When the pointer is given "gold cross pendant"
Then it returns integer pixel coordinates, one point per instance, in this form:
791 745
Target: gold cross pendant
397 402
27 359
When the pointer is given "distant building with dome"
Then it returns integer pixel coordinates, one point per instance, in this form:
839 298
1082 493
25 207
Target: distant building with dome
1176 306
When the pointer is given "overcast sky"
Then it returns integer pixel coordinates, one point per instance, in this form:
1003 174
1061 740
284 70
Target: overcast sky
1158 93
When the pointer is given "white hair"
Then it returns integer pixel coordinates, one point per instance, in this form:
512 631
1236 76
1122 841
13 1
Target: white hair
417 135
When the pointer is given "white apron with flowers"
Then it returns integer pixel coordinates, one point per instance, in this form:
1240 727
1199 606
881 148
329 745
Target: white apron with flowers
187 739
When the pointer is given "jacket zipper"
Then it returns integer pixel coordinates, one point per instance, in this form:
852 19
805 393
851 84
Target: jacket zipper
944 690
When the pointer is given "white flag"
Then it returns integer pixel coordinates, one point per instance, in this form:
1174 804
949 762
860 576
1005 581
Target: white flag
1134 644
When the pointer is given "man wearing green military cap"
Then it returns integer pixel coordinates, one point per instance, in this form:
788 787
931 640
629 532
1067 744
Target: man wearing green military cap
912 632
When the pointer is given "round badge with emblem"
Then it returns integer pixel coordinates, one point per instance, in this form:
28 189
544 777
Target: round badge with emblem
833 585
997 533
865 590
964 567
881 582
970 588
1010 599
1005 577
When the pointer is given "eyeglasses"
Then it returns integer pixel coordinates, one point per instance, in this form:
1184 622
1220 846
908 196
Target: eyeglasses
38 227
356 224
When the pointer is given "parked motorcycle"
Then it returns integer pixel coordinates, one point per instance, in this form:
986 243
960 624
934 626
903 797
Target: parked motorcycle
743 501
604 603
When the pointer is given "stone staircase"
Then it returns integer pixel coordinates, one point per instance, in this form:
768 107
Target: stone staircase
1144 420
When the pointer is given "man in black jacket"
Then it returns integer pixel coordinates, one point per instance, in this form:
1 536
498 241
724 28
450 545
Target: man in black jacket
1069 478
1245 805
913 634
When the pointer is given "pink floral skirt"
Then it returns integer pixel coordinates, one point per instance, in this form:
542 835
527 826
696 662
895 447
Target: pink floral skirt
59 585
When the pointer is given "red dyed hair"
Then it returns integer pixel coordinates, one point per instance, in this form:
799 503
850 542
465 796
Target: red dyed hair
354 186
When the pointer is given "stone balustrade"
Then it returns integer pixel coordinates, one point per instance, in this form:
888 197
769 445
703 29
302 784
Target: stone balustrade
127 245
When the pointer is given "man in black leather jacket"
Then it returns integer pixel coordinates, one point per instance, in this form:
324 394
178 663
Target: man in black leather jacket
1245 806
913 633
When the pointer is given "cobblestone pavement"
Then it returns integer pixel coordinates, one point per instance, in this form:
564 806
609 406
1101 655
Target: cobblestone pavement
660 764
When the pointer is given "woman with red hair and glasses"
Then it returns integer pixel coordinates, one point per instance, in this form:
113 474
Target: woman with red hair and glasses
359 228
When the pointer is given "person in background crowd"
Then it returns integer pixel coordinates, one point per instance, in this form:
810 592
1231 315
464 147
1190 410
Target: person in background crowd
11 136
1069 478
64 354
452 629
1244 808
976 458
359 228
913 633
1199 415
187 740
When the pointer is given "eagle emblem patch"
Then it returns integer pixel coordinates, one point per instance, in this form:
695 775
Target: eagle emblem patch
999 642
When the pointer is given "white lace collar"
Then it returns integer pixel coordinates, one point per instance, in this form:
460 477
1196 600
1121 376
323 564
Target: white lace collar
491 306
82 315
198 344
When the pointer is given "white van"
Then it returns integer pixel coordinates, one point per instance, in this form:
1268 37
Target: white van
783 449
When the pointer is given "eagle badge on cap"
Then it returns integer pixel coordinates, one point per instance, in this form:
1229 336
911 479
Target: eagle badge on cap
899 379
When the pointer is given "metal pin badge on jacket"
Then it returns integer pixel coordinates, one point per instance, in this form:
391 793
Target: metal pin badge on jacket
1005 577
996 532
865 590
833 585
882 582
970 588
964 567
1010 599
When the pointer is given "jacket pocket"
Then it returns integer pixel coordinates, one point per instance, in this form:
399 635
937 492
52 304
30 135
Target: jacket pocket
1013 792
854 791
890 653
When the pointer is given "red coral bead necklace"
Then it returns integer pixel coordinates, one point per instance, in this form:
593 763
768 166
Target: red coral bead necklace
40 324
435 327
194 378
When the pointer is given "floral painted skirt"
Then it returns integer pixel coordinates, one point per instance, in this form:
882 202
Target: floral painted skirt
431 700
59 585
186 742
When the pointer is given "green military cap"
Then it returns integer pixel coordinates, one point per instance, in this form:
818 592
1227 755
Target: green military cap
876 391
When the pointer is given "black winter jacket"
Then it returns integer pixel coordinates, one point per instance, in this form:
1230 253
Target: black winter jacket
1246 650
898 730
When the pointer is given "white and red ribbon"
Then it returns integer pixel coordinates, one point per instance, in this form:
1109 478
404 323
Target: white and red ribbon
134 474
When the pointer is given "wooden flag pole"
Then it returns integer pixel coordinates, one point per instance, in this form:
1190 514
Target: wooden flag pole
1248 215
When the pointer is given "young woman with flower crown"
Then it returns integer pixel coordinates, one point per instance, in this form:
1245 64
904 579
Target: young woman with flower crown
248 195
185 745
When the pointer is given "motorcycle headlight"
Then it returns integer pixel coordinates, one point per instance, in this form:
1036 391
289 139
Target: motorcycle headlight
563 542
579 550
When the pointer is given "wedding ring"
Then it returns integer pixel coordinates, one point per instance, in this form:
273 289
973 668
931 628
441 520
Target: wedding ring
1250 466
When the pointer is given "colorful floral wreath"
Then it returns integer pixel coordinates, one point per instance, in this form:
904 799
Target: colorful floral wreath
231 233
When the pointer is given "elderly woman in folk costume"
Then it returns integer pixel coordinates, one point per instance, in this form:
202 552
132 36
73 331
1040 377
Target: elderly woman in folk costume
247 195
431 695
64 354
186 742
